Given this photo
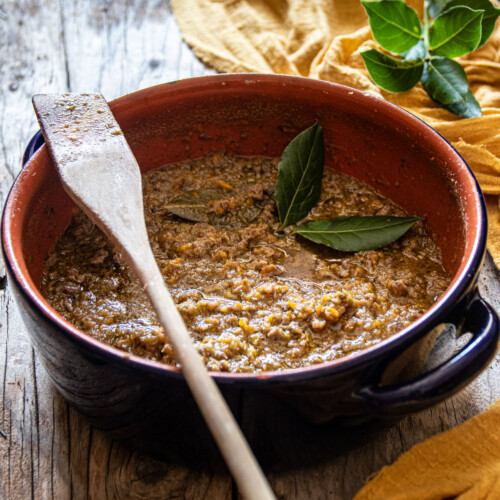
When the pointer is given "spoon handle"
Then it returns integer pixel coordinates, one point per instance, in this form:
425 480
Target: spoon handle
232 444
99 171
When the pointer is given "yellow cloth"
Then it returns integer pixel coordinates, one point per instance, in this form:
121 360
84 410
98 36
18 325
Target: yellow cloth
323 39
463 463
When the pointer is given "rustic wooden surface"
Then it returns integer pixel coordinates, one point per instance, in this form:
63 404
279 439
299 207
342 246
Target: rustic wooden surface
49 451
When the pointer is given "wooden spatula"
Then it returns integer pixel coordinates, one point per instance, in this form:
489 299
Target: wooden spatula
99 171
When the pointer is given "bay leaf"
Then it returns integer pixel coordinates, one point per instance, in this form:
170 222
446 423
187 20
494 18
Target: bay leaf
456 32
416 53
238 218
353 234
395 25
491 13
469 108
435 7
394 75
300 172
445 81
194 206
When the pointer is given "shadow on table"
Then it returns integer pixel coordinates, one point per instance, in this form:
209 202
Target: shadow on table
280 439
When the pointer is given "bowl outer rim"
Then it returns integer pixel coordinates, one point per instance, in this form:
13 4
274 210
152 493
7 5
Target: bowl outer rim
463 281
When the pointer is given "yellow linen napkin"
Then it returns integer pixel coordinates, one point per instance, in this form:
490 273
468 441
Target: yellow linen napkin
323 39
462 463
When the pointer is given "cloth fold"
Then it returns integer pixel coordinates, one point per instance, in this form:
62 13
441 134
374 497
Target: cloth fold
462 463
323 39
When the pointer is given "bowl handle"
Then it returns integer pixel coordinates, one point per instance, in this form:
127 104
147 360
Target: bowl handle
441 382
35 143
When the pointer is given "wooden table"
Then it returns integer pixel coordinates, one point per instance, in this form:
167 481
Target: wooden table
49 450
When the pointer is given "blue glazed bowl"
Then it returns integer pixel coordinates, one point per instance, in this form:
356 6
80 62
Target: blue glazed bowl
147 403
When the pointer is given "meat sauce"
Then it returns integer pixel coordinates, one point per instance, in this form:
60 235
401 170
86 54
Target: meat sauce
254 298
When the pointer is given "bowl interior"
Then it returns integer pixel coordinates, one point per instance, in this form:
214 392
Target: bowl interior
365 137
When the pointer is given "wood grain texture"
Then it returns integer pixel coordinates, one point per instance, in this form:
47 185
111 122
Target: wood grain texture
49 450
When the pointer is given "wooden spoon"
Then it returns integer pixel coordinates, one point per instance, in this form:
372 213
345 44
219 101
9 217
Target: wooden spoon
99 171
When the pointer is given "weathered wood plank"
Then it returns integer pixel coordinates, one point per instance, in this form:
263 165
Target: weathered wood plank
49 450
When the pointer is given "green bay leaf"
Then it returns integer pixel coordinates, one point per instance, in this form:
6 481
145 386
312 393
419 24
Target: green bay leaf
445 81
353 234
416 53
469 108
491 13
392 74
394 25
300 172
437 6
455 32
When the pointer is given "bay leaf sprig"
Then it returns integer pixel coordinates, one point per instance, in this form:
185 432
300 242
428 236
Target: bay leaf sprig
300 171
450 29
298 190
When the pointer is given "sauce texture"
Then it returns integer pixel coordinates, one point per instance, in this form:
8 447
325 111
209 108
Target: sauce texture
253 299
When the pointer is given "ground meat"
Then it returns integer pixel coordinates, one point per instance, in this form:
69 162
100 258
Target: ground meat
255 191
220 207
398 288
253 298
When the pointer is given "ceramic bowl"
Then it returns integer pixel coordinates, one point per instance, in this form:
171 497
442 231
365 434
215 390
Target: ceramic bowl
147 403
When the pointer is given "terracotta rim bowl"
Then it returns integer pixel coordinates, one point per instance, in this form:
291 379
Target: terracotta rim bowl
366 137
